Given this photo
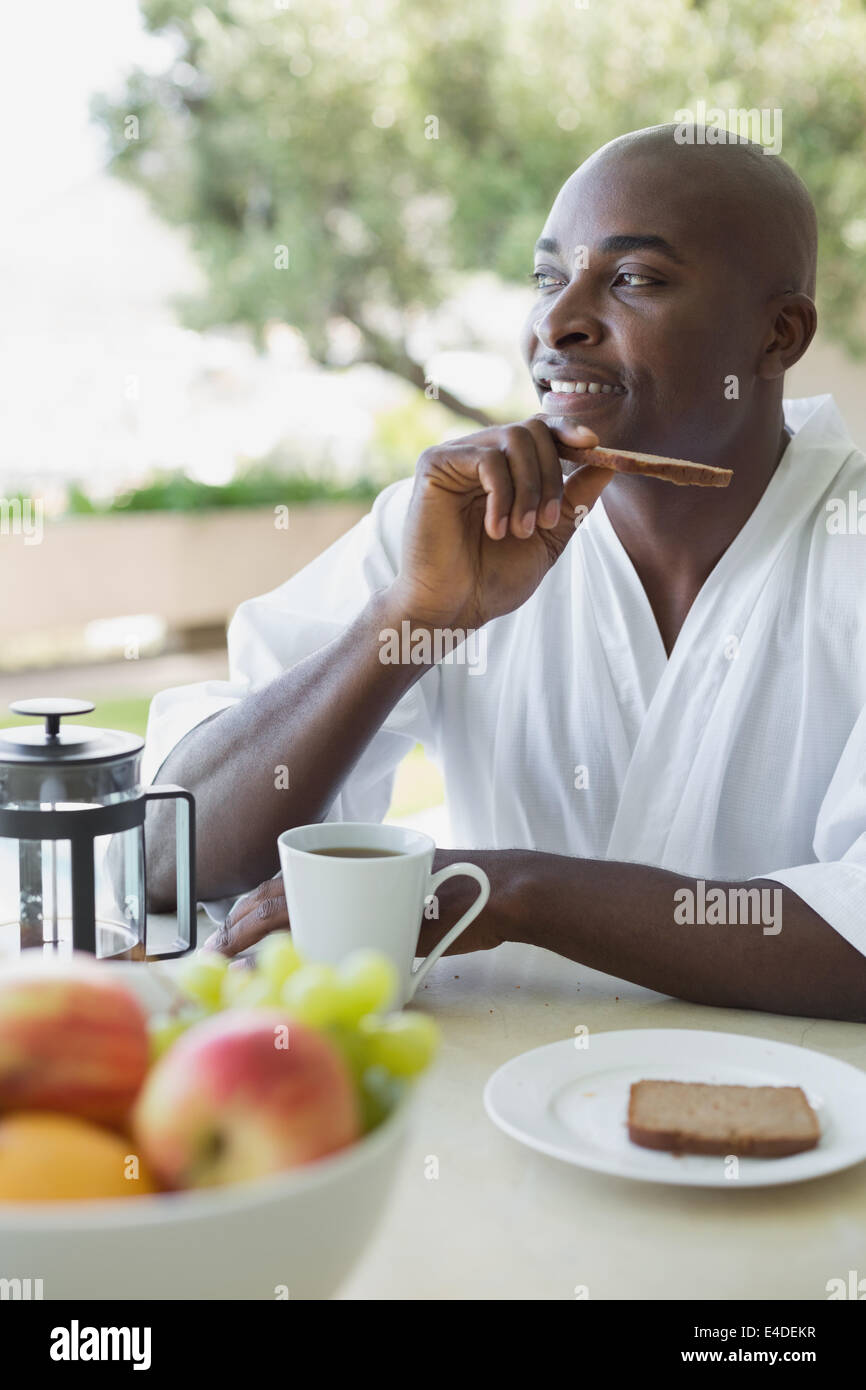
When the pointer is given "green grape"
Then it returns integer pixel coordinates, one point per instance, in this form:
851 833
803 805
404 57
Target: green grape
353 1047
368 981
233 985
164 1030
313 996
404 1044
278 958
246 989
202 977
379 1094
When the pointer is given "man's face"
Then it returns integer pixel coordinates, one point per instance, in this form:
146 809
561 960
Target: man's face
648 285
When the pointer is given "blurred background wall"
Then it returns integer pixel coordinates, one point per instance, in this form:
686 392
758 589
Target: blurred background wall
258 254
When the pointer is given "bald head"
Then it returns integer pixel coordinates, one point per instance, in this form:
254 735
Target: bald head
755 197
679 275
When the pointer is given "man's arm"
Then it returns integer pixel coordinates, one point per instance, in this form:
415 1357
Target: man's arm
489 515
315 720
619 918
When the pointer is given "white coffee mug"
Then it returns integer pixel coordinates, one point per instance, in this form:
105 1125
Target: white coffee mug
338 905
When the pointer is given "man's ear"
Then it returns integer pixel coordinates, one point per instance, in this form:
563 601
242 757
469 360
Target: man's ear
795 319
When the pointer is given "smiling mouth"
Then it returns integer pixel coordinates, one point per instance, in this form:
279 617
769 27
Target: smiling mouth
565 389
578 399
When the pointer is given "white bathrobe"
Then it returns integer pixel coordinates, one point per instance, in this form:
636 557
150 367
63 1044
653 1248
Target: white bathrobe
568 729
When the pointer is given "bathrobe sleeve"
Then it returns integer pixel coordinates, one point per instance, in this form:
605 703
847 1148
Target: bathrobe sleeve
834 884
271 634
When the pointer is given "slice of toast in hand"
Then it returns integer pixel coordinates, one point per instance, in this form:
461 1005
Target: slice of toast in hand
679 471
685 1117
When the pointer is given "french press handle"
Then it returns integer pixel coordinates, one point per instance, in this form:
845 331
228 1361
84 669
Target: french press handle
185 866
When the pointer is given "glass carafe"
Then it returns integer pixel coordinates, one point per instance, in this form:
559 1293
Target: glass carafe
72 846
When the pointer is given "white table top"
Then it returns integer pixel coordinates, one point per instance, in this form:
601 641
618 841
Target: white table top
503 1222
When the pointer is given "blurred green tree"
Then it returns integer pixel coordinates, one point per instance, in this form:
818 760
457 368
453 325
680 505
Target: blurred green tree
392 145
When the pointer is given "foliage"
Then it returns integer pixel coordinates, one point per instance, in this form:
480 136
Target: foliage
126 712
256 487
405 431
307 124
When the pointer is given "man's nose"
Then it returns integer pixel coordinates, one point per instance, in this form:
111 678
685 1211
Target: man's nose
570 316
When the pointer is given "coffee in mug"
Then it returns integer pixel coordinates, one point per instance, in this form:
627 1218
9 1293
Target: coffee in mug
351 885
362 852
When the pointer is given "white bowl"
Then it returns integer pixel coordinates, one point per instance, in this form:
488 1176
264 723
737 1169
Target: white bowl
293 1235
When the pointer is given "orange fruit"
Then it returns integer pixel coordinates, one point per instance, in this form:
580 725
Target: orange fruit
47 1157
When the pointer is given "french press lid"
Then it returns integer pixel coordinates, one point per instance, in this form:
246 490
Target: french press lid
93 763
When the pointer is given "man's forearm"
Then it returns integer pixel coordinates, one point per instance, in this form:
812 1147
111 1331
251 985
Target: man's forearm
277 759
624 919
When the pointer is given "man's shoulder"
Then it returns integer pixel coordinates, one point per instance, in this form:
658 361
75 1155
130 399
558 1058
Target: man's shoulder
827 462
831 560
842 509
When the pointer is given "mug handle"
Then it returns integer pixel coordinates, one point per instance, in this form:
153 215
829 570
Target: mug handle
470 871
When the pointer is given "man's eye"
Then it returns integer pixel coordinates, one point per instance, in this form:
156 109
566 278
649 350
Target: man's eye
634 279
544 280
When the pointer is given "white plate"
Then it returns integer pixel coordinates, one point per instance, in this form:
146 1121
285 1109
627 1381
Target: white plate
571 1102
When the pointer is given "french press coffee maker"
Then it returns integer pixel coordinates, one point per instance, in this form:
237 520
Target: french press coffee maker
72 860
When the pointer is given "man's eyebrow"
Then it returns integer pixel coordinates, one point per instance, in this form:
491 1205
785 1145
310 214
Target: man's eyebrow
614 244
640 243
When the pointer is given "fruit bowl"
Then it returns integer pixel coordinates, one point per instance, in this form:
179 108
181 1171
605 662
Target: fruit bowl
294 1235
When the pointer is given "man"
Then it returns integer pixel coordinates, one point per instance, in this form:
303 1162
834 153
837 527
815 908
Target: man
662 767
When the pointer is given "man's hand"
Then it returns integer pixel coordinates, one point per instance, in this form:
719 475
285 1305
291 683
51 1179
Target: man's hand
490 514
624 927
264 910
252 917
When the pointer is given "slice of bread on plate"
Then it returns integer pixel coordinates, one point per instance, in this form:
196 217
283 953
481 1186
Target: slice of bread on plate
685 1117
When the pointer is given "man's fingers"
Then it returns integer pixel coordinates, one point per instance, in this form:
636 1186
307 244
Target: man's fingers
583 487
566 428
252 917
520 473
574 453
462 468
494 476
522 456
571 439
551 473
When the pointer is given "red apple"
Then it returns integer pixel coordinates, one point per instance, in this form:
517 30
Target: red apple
245 1093
72 1039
